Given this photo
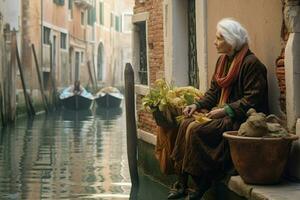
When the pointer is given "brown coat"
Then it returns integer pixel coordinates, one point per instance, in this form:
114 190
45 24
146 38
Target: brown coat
200 148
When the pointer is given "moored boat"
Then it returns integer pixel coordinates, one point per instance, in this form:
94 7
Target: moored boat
76 101
109 97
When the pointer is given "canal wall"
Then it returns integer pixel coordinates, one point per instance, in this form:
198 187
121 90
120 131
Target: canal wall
149 165
231 188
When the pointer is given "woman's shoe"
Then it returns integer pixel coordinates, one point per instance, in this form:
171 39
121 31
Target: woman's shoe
195 195
177 191
202 185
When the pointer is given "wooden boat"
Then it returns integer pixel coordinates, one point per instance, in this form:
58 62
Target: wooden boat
73 101
109 97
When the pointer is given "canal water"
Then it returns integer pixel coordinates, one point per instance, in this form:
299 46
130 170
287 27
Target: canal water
69 155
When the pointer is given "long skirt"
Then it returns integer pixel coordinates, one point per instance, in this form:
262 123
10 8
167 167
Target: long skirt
201 149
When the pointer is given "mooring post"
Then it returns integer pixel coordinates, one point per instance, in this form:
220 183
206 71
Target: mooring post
28 102
131 128
12 76
53 93
45 102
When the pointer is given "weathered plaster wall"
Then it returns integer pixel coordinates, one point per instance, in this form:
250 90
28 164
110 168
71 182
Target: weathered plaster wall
262 19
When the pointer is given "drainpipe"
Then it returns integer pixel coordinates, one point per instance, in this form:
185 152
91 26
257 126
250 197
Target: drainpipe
202 57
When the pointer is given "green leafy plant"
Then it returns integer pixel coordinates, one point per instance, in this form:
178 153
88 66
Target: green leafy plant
166 101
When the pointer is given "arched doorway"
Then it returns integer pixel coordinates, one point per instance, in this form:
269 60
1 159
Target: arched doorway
100 62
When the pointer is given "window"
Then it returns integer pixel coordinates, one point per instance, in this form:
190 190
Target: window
91 16
70 6
82 57
143 68
46 35
101 13
59 2
117 23
120 23
63 40
111 20
82 18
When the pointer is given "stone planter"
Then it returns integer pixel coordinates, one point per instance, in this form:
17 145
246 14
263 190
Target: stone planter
259 160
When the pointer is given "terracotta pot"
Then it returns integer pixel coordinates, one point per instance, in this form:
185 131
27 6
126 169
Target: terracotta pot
259 160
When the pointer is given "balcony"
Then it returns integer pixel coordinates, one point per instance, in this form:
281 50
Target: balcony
86 4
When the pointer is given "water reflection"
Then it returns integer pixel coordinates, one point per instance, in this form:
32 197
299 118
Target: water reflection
109 113
72 115
67 155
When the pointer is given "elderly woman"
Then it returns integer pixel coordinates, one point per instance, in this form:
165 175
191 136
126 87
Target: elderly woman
238 84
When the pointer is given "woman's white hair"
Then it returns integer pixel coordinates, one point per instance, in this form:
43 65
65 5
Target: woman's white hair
233 32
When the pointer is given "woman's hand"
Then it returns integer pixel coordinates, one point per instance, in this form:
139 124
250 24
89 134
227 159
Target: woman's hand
217 113
189 110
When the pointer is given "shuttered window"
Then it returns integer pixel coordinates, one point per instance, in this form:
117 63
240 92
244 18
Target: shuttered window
59 2
101 13
63 40
91 16
70 5
118 23
46 35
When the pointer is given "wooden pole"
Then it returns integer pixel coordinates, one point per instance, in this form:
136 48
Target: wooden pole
2 52
40 79
131 128
52 79
12 77
90 74
29 106
1 106
95 77
6 74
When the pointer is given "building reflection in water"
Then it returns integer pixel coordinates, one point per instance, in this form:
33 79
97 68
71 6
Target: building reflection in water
65 155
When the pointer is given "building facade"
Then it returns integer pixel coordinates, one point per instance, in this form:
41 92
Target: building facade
86 40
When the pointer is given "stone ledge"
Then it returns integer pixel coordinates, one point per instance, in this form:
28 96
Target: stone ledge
284 191
146 137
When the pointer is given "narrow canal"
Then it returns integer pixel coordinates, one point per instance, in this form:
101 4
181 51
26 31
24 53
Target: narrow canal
69 155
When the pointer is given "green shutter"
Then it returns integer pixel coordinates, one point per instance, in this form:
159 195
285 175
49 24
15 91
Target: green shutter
120 23
117 23
91 16
59 2
111 20
70 4
94 15
101 13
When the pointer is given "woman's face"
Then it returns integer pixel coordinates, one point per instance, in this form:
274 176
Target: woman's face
222 46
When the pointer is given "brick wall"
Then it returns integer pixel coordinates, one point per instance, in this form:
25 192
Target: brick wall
155 54
280 71
145 119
